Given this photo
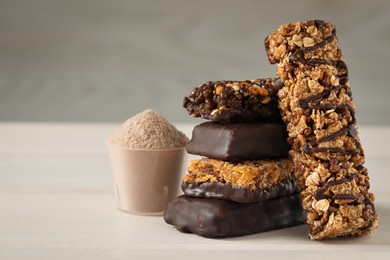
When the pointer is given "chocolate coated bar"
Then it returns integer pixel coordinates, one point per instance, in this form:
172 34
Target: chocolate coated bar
239 141
223 218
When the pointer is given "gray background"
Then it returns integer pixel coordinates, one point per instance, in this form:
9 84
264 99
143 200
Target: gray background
101 60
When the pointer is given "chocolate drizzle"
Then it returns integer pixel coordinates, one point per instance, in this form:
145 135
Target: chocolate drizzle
307 102
319 193
311 150
297 56
304 103
345 197
312 147
366 202
335 134
311 101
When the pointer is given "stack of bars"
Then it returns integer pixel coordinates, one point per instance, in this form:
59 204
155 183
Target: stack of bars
248 186
245 183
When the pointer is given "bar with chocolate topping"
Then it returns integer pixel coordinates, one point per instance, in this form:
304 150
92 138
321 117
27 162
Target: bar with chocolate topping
317 106
245 182
228 101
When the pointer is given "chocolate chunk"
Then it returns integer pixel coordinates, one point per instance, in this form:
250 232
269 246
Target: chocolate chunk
278 83
227 191
239 141
223 218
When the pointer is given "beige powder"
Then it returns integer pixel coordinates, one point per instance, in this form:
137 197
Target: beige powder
148 130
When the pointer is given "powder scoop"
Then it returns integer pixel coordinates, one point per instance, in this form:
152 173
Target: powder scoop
146 155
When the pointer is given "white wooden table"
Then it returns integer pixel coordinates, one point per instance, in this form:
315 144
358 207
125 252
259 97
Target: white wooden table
56 202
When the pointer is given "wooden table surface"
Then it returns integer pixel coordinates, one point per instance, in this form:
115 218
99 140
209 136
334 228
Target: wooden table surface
56 202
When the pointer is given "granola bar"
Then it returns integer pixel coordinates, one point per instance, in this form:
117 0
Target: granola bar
229 101
317 106
245 182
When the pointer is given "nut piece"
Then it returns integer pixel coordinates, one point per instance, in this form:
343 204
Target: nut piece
297 40
257 90
313 179
281 50
312 30
262 91
236 87
218 90
307 42
214 111
322 205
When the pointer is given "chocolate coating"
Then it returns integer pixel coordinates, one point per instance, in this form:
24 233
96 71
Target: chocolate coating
223 218
239 141
239 194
